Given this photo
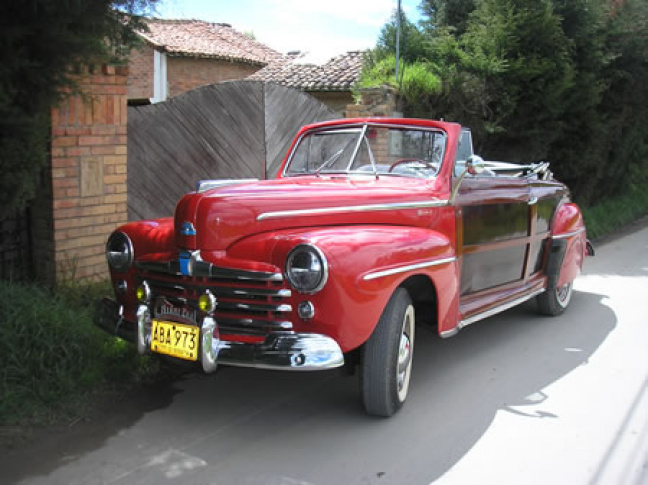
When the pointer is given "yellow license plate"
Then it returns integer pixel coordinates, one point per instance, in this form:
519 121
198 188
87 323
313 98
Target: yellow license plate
174 339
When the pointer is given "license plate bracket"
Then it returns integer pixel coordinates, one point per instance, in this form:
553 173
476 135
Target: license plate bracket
175 339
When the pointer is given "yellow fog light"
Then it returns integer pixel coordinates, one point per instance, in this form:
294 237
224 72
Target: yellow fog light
207 302
143 293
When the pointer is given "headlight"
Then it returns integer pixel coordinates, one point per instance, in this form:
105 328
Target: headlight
306 268
119 251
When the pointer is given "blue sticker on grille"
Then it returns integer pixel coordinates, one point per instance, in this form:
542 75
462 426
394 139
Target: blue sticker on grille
183 259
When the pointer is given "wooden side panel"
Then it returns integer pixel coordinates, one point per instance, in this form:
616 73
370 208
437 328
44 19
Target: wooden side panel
496 225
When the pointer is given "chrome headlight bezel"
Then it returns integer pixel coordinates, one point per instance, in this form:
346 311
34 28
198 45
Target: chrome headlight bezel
295 261
119 252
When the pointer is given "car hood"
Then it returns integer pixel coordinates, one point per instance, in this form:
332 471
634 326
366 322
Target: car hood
215 219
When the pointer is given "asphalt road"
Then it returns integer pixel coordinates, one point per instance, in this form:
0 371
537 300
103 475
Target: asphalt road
515 399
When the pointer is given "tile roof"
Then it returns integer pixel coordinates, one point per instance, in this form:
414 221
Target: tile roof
197 38
338 74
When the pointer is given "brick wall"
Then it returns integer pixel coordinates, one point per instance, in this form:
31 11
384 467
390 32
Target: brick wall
140 73
187 73
87 180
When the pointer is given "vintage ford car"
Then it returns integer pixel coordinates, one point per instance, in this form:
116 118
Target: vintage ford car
372 225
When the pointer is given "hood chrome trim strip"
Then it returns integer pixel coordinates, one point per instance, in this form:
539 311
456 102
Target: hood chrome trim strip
353 208
205 185
409 267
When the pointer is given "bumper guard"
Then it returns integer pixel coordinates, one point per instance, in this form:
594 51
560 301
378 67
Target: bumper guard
280 350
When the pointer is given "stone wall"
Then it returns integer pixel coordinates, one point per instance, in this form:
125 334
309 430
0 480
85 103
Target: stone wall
84 194
382 101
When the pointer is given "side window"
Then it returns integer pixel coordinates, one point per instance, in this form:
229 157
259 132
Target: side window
464 151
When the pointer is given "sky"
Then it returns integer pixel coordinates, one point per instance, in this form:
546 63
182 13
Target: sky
324 28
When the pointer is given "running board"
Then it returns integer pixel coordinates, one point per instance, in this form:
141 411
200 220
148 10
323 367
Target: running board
490 312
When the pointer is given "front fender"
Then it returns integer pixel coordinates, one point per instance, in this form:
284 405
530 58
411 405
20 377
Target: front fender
148 237
366 265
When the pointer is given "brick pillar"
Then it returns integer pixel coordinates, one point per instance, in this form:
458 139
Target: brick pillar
380 101
88 174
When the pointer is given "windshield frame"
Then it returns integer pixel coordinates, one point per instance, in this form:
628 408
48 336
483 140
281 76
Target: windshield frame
362 129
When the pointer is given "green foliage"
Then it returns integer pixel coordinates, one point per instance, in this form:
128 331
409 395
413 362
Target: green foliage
453 14
561 80
611 214
412 41
417 80
51 354
42 45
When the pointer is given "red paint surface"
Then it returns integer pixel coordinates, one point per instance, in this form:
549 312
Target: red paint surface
230 234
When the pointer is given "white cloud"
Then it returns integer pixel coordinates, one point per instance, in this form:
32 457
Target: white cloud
364 12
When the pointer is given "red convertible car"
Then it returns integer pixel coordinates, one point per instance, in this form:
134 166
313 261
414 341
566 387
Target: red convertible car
372 226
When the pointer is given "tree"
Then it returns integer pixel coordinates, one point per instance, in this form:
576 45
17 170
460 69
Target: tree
563 80
453 14
42 44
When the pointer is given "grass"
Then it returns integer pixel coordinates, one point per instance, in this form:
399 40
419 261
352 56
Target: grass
609 215
52 357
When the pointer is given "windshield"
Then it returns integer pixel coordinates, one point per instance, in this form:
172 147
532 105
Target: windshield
369 149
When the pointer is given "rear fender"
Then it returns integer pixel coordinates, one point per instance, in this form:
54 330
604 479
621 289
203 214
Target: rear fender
569 235
366 265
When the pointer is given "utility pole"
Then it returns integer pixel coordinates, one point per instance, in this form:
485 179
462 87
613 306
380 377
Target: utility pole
398 31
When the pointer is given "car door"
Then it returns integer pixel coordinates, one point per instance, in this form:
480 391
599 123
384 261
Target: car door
493 235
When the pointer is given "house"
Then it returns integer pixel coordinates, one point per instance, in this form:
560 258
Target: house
179 55
331 82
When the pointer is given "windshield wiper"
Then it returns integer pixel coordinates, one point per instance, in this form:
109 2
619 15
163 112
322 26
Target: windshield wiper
330 161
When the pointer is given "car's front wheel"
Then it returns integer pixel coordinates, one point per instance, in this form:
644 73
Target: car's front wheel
555 300
387 357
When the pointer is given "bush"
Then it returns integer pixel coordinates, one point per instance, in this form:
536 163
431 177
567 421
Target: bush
611 214
52 355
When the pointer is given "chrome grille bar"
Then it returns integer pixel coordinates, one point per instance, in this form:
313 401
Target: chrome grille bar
244 307
209 270
226 291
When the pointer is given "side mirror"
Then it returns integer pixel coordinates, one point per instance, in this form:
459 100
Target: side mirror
474 166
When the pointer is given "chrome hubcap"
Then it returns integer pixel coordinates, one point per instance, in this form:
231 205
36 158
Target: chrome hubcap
405 350
563 294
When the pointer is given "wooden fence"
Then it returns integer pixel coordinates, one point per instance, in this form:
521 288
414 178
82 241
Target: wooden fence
239 129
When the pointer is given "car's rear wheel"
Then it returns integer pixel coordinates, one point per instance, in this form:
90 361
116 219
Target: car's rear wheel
555 300
387 357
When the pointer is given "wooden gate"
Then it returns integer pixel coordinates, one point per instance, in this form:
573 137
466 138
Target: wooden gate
239 129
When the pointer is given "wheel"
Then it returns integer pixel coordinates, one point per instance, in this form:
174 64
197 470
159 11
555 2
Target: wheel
555 300
387 357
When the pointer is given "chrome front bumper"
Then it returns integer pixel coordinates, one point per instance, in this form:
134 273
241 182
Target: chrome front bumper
280 350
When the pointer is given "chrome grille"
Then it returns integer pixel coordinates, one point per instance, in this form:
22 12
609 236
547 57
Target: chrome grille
245 306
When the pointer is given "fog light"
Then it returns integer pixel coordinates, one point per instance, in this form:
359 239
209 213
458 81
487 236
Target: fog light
207 302
306 310
143 293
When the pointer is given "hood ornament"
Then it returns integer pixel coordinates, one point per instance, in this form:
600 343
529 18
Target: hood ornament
187 229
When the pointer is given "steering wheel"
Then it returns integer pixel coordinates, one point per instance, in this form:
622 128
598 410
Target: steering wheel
410 160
